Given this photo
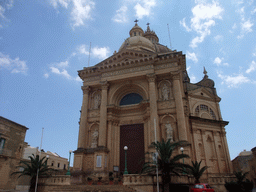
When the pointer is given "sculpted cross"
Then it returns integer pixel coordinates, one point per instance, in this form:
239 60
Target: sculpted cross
136 21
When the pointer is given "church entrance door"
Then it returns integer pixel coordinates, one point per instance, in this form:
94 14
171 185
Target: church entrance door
132 136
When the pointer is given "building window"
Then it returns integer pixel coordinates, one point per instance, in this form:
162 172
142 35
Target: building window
134 33
64 167
204 108
58 165
52 163
131 98
2 142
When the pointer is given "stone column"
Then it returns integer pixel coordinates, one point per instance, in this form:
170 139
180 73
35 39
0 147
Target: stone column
103 114
182 130
83 129
153 106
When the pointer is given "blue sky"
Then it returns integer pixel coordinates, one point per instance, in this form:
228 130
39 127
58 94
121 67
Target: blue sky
44 43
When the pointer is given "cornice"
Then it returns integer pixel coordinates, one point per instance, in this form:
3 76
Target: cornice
111 65
193 118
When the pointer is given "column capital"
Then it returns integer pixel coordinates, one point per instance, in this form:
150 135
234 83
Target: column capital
85 89
175 75
104 85
151 77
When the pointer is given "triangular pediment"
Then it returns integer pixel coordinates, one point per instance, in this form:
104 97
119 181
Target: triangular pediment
124 56
203 93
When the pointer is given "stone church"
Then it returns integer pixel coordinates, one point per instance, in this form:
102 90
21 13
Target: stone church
144 87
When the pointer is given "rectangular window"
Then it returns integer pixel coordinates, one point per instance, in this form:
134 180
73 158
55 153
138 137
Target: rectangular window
58 165
2 142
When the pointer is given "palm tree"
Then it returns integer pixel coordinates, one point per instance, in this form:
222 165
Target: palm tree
196 171
30 168
166 163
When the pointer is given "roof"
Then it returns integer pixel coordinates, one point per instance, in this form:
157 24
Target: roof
22 126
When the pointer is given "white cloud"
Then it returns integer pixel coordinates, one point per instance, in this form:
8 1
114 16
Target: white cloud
252 67
15 65
62 73
83 49
81 10
233 81
46 75
253 11
218 62
144 8
191 56
183 23
191 76
246 27
98 52
121 16
8 4
78 79
62 64
202 20
63 3
218 38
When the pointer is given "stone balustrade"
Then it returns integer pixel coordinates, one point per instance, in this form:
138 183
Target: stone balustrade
220 179
136 179
55 180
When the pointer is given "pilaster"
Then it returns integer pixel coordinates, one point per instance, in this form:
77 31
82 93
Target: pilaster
153 105
182 130
103 114
83 128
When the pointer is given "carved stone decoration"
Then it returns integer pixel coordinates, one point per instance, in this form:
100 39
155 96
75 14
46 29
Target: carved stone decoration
169 132
96 100
95 136
165 92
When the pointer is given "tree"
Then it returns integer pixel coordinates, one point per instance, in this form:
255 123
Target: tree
196 171
241 184
30 168
166 163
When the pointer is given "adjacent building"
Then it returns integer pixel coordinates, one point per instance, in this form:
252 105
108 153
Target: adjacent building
54 160
142 93
12 144
246 162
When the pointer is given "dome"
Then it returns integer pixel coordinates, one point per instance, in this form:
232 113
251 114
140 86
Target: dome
136 31
138 43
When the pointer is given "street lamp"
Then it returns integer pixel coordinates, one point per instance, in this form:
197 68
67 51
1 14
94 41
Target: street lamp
182 149
68 172
125 151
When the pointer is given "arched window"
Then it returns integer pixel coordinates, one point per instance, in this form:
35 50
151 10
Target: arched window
131 98
204 108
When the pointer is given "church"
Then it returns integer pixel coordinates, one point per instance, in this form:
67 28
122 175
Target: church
142 93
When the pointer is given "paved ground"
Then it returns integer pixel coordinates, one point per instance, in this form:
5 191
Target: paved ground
254 190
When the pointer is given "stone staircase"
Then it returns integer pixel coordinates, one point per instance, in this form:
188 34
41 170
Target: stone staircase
86 188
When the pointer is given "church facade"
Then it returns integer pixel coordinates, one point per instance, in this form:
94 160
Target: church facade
143 93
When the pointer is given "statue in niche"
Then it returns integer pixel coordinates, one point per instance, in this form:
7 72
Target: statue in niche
95 136
165 92
96 101
169 132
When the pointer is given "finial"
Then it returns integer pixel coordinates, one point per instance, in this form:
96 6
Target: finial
136 21
148 29
205 72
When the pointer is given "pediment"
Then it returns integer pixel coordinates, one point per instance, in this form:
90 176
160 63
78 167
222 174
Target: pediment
203 93
125 56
